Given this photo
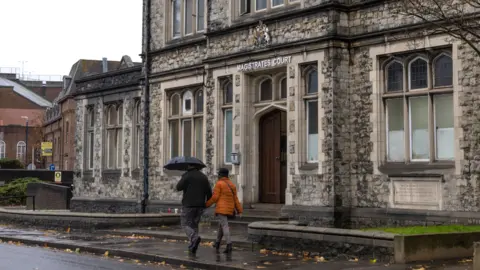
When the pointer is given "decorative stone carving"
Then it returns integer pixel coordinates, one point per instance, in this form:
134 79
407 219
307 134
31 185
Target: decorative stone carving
292 168
124 79
237 80
291 106
237 130
237 147
260 35
237 98
291 72
237 113
291 126
291 147
291 89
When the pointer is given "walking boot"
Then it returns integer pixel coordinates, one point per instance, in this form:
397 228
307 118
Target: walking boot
217 246
196 244
228 250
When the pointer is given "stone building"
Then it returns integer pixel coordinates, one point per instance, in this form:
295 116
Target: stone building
328 109
107 139
60 122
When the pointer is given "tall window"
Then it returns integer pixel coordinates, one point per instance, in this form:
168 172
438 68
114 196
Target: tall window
265 90
114 136
21 151
3 147
311 112
419 117
188 17
138 131
90 137
283 88
262 5
186 123
67 131
227 108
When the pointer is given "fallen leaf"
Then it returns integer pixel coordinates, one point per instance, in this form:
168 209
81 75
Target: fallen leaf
136 261
162 263
121 260
77 250
68 230
68 250
353 260
465 261
106 253
263 251
421 268
261 267
320 259
373 260
267 263
183 266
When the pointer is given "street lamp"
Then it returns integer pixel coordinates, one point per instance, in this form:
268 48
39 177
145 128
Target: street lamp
26 139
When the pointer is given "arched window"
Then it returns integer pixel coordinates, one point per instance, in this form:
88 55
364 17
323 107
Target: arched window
266 90
228 93
3 147
21 150
138 133
114 137
394 76
90 137
120 115
175 105
418 70
443 70
187 102
312 81
199 101
283 88
112 116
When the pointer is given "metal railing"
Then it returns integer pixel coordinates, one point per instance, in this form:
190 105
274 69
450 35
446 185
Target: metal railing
16 197
27 76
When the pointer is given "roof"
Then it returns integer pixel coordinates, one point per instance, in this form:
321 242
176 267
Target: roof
82 68
25 92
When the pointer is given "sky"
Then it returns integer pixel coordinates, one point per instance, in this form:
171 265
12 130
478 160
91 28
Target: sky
47 37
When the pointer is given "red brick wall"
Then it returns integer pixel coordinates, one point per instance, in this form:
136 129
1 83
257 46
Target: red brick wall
11 135
51 92
12 100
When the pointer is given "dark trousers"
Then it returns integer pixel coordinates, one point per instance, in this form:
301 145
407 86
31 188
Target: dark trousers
190 220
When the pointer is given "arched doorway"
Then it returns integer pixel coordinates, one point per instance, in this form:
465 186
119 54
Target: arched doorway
273 157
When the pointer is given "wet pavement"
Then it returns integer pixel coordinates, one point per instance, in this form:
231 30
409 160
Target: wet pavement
162 248
34 258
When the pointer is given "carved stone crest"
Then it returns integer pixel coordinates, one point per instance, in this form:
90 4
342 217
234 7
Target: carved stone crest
237 80
261 35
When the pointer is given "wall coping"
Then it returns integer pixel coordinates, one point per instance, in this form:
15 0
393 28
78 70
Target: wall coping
289 227
85 215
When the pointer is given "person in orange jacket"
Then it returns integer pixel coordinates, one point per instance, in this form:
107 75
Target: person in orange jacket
227 207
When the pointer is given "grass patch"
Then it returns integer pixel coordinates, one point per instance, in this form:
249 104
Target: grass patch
427 229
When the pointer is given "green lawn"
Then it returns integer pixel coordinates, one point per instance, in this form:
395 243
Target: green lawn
427 229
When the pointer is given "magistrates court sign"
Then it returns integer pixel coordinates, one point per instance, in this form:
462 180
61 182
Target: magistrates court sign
267 63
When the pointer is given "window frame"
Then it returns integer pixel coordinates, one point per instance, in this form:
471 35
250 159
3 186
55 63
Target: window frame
405 94
22 145
251 6
179 119
307 98
114 131
261 82
183 19
90 134
138 132
225 107
3 149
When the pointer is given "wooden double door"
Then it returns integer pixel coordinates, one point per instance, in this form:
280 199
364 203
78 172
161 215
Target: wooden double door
273 157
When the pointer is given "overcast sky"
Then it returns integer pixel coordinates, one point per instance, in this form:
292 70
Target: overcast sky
51 35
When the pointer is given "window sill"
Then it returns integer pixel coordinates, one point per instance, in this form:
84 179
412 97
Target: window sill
112 173
182 41
422 168
308 167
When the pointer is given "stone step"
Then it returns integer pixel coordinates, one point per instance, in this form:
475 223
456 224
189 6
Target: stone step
266 207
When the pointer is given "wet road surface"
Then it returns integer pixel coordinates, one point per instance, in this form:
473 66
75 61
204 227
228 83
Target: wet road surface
35 258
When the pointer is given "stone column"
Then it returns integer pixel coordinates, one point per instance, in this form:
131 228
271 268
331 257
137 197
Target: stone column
239 131
127 136
293 99
98 139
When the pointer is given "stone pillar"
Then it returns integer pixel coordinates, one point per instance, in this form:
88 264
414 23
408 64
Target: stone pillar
127 136
239 131
293 100
98 139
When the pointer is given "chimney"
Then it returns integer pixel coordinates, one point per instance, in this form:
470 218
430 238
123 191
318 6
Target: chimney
66 82
44 89
105 64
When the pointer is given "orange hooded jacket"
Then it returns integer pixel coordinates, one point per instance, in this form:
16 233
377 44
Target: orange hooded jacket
225 199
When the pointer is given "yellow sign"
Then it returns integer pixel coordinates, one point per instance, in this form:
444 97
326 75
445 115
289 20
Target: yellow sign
47 149
58 177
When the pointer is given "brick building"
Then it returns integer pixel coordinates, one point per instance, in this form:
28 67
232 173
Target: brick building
44 86
17 104
60 122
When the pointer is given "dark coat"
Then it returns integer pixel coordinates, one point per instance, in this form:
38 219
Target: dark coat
196 189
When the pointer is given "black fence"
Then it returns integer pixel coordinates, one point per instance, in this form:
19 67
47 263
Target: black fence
8 175
20 197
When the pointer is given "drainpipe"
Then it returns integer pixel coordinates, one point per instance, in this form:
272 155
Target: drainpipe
146 110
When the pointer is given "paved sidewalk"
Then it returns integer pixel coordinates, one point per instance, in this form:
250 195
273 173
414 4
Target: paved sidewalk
174 252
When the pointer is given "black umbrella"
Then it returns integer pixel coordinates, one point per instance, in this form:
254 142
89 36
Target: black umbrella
182 163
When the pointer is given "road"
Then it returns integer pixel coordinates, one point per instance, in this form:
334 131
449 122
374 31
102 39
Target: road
35 258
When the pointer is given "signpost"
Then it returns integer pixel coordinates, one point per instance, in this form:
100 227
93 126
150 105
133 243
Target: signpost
47 149
52 167
58 177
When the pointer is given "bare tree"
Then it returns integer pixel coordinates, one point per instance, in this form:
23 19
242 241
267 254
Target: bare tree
457 18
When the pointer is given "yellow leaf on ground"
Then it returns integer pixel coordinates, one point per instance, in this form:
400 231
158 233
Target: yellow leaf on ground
421 268
68 230
68 250
465 261
261 267
354 260
136 261
263 251
162 263
183 266
373 260
267 263
106 253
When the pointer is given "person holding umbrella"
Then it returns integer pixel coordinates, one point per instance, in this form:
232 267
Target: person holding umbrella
227 207
196 192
